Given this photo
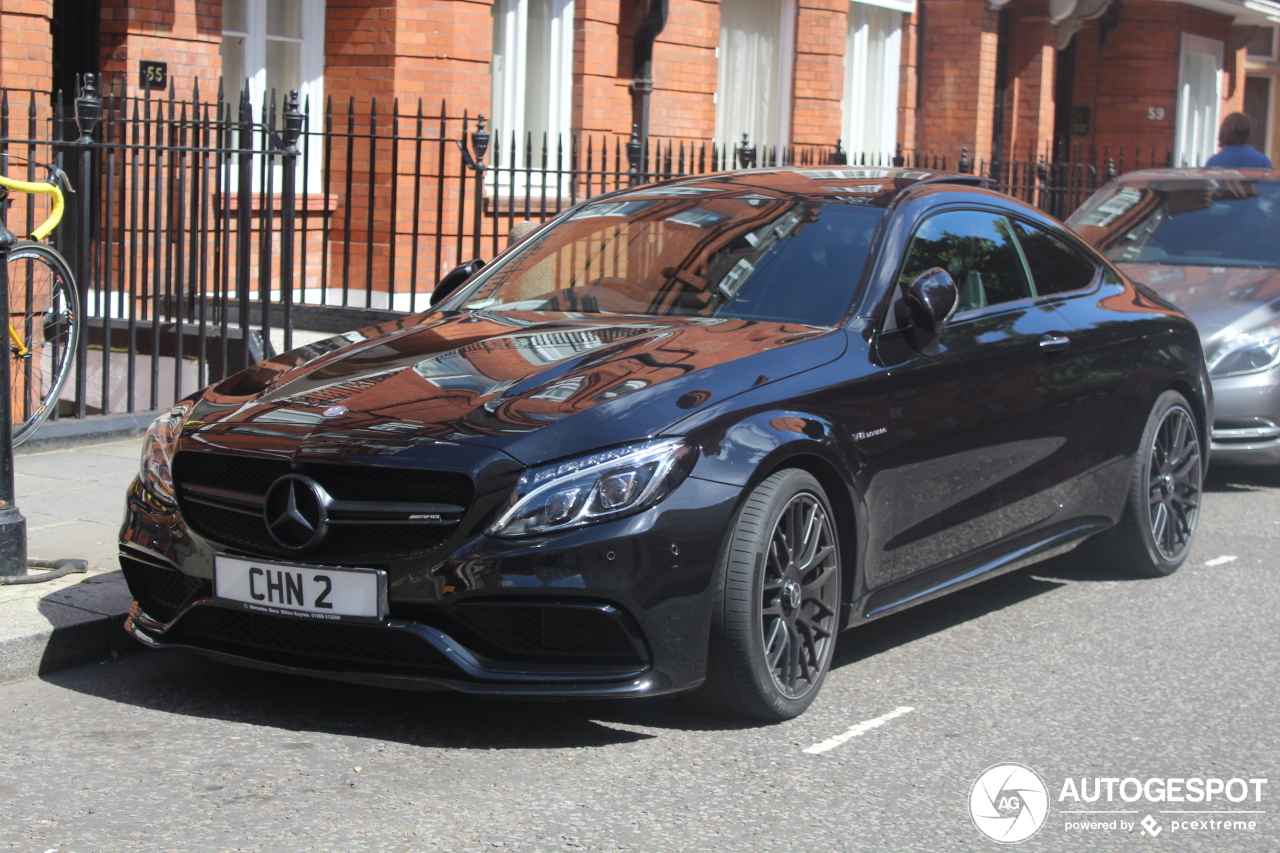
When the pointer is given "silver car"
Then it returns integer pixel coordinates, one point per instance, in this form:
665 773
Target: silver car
1208 240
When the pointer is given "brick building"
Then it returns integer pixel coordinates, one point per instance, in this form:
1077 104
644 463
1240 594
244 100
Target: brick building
876 74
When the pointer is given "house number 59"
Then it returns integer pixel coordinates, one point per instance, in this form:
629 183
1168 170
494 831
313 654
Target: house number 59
1155 113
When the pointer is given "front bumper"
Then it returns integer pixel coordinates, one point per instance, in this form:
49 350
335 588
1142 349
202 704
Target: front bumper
616 609
1246 419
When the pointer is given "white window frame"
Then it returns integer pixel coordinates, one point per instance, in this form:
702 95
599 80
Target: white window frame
510 74
783 96
1194 133
311 76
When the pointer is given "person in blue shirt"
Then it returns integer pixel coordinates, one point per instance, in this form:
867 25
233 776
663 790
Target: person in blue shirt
1236 151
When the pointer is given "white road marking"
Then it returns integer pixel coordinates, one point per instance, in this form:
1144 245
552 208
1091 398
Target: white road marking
1221 561
853 731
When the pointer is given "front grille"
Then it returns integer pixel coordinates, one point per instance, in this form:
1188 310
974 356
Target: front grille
344 482
331 646
367 537
580 632
162 592
347 544
245 473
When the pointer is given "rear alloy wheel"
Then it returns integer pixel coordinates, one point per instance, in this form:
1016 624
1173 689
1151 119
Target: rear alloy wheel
1163 506
778 603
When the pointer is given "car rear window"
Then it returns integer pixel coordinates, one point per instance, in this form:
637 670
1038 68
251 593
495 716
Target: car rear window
758 258
1225 222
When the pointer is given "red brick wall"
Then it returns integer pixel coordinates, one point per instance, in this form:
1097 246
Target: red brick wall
822 29
183 33
602 58
909 83
26 48
1136 71
1029 102
685 68
958 69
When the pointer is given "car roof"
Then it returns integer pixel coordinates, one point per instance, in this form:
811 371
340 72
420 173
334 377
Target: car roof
877 186
1217 173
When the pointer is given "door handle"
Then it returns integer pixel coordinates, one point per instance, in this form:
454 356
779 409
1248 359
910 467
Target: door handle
1052 342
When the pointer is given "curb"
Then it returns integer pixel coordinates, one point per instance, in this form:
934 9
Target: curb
72 627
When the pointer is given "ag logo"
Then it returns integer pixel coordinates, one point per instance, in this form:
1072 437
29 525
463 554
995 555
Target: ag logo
1008 803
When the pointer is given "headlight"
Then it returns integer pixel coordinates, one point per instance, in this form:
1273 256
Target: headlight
157 453
604 485
1248 352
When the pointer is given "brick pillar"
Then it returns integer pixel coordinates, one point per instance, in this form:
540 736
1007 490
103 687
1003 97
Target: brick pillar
1029 120
958 73
1233 86
909 83
602 72
26 46
684 72
822 28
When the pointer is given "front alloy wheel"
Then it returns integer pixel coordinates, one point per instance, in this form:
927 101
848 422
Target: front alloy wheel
778 602
798 601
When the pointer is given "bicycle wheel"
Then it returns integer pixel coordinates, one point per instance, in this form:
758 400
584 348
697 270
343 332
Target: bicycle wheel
44 314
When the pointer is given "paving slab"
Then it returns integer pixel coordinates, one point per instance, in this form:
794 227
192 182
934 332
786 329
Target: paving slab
73 500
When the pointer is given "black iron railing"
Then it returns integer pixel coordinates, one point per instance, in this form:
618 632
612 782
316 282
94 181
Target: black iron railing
206 234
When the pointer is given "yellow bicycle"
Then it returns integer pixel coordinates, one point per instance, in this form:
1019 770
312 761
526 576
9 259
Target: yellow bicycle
44 314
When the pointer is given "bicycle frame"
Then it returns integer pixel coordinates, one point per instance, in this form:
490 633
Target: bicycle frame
49 188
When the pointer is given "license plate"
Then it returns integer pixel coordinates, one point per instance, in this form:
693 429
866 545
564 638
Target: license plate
308 592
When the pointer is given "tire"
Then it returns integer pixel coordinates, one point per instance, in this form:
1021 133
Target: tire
777 605
44 309
1158 525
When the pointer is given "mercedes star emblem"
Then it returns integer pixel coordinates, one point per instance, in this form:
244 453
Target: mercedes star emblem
295 511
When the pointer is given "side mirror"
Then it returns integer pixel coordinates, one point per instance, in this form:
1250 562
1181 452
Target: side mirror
454 279
931 300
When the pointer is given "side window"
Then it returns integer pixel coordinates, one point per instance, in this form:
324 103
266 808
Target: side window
977 248
1055 266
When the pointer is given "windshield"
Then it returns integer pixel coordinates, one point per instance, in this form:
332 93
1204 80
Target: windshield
1220 222
744 257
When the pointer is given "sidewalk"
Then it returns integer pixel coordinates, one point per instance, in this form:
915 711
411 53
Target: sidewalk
73 501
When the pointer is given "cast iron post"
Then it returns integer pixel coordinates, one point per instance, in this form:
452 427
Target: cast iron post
634 147
13 527
479 147
293 123
746 154
88 114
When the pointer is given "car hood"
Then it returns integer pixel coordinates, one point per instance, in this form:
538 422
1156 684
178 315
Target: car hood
1221 301
534 387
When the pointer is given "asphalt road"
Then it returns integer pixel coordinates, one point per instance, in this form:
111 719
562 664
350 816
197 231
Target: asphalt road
1059 667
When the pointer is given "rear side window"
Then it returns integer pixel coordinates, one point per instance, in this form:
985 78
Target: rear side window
977 249
1055 266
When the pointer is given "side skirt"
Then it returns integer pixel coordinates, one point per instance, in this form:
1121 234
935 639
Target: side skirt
973 568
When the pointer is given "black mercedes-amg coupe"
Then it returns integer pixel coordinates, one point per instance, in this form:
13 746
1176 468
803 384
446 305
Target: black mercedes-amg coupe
677 440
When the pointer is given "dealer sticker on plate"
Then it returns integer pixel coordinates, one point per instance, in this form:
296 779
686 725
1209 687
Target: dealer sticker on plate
308 592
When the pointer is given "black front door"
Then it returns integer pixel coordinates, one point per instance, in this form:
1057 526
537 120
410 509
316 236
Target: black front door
75 48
